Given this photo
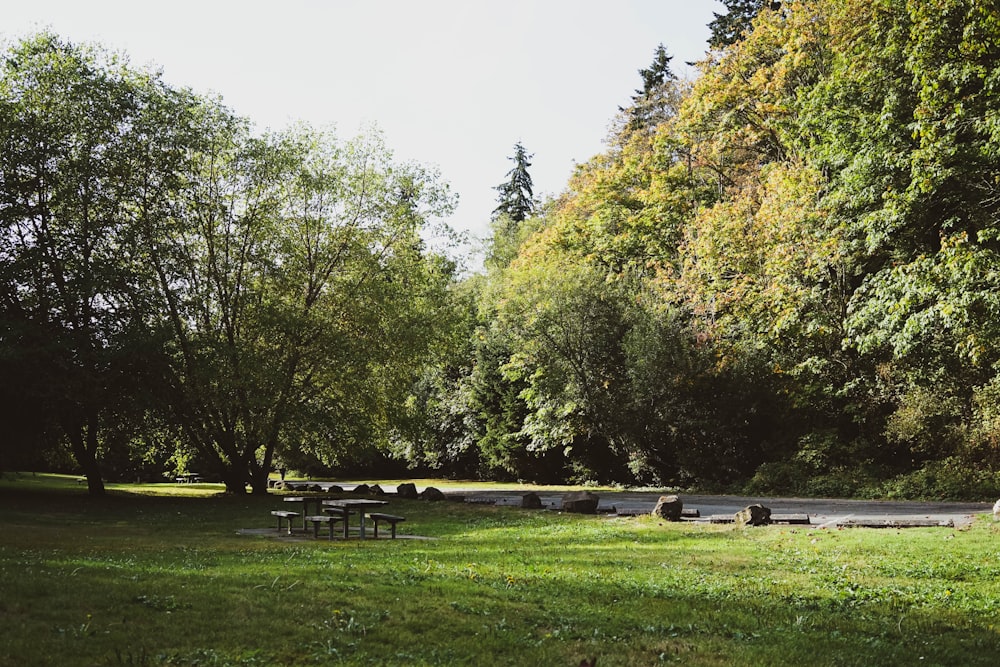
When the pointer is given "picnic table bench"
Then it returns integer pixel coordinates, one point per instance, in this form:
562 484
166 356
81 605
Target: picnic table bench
331 519
286 516
390 519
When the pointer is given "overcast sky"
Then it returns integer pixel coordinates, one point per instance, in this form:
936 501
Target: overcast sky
451 83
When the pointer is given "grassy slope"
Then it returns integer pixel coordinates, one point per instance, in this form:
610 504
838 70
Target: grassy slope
143 578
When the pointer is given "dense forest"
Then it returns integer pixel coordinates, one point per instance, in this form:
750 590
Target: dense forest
780 277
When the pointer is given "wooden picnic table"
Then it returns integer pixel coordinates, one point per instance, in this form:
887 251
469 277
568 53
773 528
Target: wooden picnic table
359 504
306 501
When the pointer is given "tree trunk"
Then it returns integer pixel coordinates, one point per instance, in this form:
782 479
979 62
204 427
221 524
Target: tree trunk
235 478
84 446
258 483
259 472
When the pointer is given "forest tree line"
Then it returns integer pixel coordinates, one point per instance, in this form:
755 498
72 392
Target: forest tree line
781 276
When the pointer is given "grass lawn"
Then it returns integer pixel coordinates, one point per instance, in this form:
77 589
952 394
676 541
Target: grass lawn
160 575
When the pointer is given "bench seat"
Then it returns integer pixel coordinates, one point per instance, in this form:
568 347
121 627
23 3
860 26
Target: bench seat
391 519
284 516
329 519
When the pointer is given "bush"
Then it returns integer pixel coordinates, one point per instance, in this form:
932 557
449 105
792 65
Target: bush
948 479
780 477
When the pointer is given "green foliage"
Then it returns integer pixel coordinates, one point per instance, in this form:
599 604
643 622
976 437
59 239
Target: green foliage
73 125
782 274
163 266
950 478
813 216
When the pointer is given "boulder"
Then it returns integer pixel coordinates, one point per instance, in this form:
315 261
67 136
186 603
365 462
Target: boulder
376 490
407 490
531 501
334 488
432 493
361 490
669 508
753 515
580 502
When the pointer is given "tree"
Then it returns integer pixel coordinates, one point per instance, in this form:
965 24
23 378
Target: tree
657 100
296 292
71 273
731 27
515 200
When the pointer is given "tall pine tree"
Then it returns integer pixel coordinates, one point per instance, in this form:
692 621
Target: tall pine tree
729 28
653 103
516 199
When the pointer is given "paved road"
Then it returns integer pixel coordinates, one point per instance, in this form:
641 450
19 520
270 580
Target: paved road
821 512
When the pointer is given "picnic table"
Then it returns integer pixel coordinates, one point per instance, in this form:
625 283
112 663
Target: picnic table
306 501
349 504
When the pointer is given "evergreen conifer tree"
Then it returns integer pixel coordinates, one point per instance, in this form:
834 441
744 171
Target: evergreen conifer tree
516 197
652 103
729 28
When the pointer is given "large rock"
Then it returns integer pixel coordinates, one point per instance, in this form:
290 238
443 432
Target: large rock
361 490
580 502
753 515
376 490
432 493
669 508
531 501
407 490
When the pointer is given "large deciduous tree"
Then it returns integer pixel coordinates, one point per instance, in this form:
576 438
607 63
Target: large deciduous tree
261 292
71 272
298 292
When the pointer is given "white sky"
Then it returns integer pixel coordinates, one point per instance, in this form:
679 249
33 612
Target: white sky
451 83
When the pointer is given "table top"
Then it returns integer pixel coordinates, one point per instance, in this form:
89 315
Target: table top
352 502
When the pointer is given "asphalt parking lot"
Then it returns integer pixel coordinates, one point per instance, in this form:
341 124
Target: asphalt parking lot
822 512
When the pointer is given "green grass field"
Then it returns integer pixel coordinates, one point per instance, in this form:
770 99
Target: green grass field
160 575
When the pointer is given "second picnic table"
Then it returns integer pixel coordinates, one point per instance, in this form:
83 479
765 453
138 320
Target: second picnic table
349 504
306 501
